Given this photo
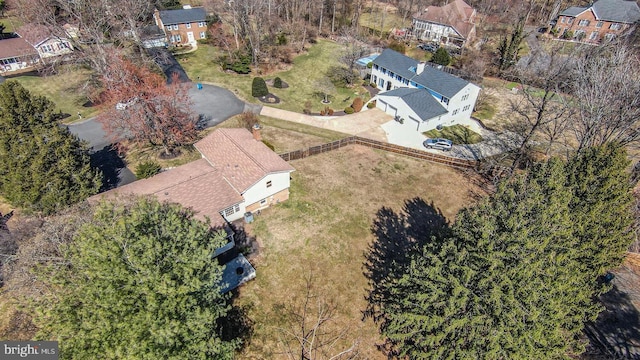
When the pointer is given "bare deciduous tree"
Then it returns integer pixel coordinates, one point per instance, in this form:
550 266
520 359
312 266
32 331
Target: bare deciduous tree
309 334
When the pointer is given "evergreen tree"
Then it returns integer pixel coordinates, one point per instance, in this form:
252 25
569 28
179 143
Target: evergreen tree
510 47
259 87
517 277
140 283
441 57
43 167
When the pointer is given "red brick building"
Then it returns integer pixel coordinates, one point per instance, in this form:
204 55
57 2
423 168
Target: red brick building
183 26
602 21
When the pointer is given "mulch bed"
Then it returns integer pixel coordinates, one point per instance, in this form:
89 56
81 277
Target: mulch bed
269 99
270 83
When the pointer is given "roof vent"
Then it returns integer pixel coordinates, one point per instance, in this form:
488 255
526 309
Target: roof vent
186 6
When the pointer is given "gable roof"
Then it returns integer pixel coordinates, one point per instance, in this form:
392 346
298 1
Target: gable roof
182 16
621 11
240 158
15 47
431 78
457 14
195 185
420 101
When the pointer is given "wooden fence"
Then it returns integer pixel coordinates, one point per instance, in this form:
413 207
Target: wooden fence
414 153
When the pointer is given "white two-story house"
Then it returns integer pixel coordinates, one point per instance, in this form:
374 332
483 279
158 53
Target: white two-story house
421 96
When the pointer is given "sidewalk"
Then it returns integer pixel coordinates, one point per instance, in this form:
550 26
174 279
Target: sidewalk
365 123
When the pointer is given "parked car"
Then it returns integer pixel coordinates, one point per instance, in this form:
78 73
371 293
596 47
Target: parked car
440 144
428 47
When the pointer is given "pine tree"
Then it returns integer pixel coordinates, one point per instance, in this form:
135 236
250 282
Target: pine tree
510 47
139 283
259 87
43 167
441 57
517 278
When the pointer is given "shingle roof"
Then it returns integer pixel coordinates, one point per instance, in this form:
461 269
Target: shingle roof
15 47
196 185
182 16
240 158
431 78
456 14
573 11
420 101
623 11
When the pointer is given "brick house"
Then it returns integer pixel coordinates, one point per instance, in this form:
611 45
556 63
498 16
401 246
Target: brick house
602 21
182 26
451 24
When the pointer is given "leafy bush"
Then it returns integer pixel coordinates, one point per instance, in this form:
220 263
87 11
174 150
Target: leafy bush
398 46
567 34
369 64
441 57
357 104
147 169
239 63
371 104
281 39
259 87
307 107
269 145
349 110
330 111
373 85
277 83
248 119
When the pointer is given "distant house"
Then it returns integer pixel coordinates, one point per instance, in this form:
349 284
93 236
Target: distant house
44 42
183 26
452 24
419 95
602 21
16 54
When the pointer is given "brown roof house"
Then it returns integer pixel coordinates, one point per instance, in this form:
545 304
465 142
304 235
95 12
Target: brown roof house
237 174
47 44
16 54
182 26
601 21
452 24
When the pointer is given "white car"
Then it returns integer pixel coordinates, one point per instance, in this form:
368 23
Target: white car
441 144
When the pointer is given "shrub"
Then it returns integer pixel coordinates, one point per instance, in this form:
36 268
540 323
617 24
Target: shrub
277 83
567 34
371 104
259 87
398 46
147 169
247 120
322 112
369 64
307 107
269 145
330 111
357 104
373 85
349 110
441 57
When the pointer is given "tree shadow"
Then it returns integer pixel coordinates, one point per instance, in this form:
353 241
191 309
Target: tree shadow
110 164
236 325
397 237
616 331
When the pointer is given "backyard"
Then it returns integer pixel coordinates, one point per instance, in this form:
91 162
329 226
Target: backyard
323 231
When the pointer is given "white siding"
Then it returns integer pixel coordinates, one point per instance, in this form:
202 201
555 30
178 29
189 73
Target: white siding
467 96
259 191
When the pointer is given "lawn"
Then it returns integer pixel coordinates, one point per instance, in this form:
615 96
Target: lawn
456 133
65 89
308 68
323 231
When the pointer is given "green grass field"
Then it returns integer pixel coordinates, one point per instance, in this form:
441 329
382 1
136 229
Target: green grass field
65 89
302 77
456 133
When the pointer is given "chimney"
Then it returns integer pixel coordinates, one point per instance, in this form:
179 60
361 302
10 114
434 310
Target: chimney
420 68
255 130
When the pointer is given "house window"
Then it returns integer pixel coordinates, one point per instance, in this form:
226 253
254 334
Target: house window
263 201
201 24
269 183
570 21
374 79
176 38
231 210
562 19
609 37
466 108
583 22
168 27
175 27
593 36
599 24
188 25
615 26
47 48
202 35
455 112
375 66
465 97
